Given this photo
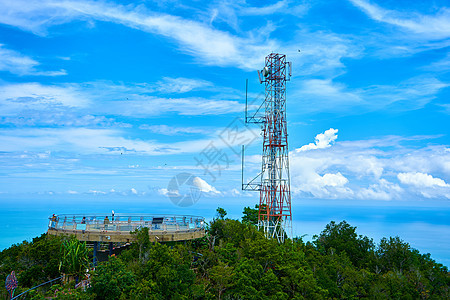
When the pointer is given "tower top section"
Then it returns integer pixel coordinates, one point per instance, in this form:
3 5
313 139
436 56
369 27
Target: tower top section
275 68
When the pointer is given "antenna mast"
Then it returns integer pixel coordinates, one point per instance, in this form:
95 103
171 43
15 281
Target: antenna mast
275 215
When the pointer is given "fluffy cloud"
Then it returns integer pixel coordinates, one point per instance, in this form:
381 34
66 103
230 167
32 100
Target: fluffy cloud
204 186
369 169
327 186
425 185
332 180
189 190
381 190
421 180
322 141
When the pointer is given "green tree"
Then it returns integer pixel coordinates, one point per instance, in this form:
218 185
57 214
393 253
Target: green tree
250 215
112 280
343 238
143 242
221 277
247 279
394 254
169 270
236 261
74 257
34 262
221 213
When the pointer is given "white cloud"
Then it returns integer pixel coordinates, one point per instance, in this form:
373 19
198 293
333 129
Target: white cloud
181 85
327 89
323 140
81 140
381 190
425 184
56 116
366 164
330 185
208 45
134 191
105 141
235 193
204 187
265 10
442 65
430 26
446 108
421 180
323 51
229 12
143 106
328 95
173 130
164 192
35 96
95 192
332 180
15 62
367 169
34 16
410 94
106 98
20 64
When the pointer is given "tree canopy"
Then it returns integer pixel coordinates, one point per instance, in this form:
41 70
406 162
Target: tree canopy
235 261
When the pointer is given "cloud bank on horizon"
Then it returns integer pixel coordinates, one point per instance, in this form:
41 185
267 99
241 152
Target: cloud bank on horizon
99 97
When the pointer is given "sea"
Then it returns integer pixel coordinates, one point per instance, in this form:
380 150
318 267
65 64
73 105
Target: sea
424 226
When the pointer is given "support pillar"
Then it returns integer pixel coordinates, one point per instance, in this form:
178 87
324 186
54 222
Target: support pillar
95 253
111 250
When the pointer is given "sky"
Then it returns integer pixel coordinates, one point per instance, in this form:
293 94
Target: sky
106 103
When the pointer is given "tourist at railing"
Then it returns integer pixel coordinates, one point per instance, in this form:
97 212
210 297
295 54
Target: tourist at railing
83 221
53 223
106 222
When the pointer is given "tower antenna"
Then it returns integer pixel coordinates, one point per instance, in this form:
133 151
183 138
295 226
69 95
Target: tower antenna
275 214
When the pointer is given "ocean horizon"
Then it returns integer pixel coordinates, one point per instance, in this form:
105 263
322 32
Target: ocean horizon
425 228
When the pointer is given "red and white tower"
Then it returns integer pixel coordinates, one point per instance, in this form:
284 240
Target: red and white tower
275 215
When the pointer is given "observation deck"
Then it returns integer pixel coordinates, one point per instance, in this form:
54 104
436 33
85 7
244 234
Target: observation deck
118 228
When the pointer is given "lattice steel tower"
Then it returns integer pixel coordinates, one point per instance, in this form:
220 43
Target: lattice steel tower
275 216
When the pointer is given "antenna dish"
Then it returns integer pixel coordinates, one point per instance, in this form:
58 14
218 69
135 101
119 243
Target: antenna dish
265 71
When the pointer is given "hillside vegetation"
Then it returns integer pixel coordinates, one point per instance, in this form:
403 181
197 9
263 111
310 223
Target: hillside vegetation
235 261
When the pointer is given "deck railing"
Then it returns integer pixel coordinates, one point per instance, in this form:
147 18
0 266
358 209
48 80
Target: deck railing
126 223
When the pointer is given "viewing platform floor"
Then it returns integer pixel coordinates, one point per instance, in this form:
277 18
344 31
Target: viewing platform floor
118 229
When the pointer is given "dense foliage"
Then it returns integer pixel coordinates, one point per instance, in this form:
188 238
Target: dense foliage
74 257
235 261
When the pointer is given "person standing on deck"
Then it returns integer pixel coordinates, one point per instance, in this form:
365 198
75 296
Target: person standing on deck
83 221
106 222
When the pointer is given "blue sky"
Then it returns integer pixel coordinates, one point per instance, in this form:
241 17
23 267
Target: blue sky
112 99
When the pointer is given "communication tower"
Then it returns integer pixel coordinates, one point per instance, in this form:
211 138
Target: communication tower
273 183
